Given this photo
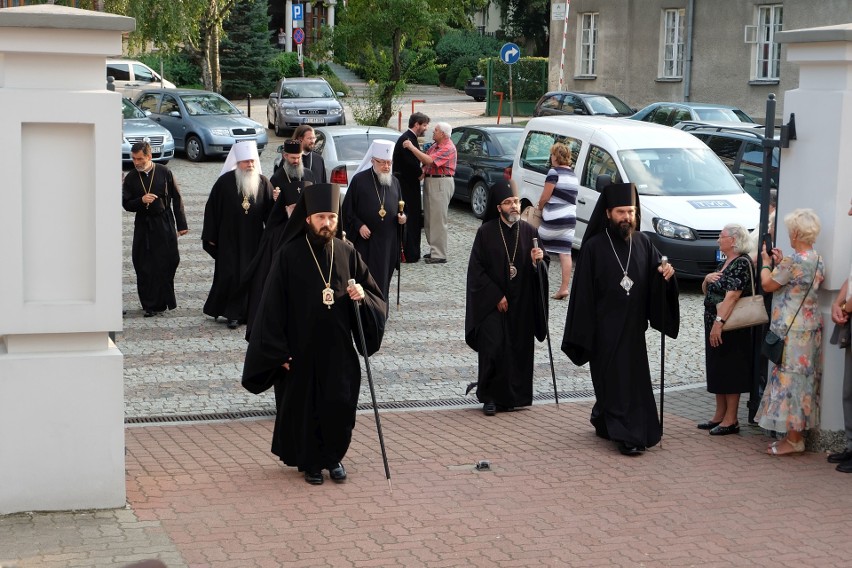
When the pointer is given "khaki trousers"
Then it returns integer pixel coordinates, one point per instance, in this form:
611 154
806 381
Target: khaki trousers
437 193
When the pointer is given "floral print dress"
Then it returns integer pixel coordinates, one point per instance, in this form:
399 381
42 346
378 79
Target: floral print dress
791 398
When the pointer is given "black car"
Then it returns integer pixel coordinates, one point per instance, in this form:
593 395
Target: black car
566 102
475 88
741 149
485 154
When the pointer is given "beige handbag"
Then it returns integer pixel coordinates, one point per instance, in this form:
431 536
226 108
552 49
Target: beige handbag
532 215
748 311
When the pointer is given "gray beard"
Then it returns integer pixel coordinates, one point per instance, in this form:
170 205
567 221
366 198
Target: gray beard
510 218
384 178
248 182
297 171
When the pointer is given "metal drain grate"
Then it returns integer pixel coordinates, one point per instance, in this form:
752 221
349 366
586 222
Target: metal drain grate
401 405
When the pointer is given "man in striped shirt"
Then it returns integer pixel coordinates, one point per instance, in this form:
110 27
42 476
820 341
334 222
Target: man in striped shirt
439 166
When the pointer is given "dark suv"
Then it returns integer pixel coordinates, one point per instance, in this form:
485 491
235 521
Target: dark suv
740 148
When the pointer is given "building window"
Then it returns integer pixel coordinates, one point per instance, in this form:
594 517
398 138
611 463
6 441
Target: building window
588 43
768 51
671 60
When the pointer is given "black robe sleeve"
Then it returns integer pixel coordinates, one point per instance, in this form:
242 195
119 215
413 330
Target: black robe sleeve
578 339
542 307
483 293
177 201
212 215
353 223
664 305
372 308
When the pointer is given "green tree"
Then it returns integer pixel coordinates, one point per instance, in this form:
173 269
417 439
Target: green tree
245 51
529 19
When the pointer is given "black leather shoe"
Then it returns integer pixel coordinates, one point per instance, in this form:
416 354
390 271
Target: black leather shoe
314 477
501 408
726 430
149 314
489 408
840 457
709 425
337 473
845 467
630 450
427 255
233 324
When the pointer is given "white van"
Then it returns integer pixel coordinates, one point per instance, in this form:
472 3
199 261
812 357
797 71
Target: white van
133 76
686 193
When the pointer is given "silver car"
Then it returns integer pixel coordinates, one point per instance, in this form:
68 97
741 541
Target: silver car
203 123
303 100
137 127
342 149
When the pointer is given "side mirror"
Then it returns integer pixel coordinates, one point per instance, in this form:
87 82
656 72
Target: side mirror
273 95
741 179
340 94
578 110
175 114
147 112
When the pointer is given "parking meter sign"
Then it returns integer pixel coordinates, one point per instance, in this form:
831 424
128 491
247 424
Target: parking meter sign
298 35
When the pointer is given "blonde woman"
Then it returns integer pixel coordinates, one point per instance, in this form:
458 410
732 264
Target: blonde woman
558 204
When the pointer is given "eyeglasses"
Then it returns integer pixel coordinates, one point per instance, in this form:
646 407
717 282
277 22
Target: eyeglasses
384 163
510 201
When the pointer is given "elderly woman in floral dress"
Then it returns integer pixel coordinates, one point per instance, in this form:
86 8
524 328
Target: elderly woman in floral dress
790 402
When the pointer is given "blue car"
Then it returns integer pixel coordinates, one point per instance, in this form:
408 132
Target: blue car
202 123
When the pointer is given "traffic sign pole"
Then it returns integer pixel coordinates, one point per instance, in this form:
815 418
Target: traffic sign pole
510 53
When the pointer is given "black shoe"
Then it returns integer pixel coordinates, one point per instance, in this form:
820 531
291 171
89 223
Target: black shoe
149 314
501 408
314 477
726 430
489 408
337 473
233 324
840 457
630 450
431 260
427 255
845 467
709 425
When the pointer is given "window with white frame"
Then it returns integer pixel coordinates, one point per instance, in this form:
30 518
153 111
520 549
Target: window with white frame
588 43
767 50
671 56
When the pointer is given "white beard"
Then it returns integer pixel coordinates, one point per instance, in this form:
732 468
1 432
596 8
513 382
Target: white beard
297 171
384 178
248 182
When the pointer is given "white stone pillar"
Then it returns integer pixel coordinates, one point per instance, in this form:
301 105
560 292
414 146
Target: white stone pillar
288 24
61 385
816 171
332 5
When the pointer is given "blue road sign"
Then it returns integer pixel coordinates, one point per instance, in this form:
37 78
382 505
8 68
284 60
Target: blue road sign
510 53
297 12
298 35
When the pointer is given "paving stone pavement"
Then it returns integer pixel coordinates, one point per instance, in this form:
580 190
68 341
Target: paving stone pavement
209 493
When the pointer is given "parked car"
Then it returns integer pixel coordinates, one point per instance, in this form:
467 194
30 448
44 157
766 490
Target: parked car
565 102
137 127
669 114
342 148
686 193
485 154
130 77
303 100
202 123
741 149
476 88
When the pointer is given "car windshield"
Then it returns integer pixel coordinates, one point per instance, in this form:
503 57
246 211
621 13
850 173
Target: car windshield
353 148
129 110
306 91
508 139
678 171
719 114
207 104
601 104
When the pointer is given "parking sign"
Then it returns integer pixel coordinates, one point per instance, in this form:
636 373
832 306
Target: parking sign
297 12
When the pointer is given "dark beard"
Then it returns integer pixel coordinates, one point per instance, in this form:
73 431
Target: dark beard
624 229
322 236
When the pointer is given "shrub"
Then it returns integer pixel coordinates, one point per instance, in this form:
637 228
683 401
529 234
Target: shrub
468 62
464 75
461 43
529 77
177 68
286 64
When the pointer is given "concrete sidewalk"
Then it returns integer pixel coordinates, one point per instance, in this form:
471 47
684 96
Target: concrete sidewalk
555 495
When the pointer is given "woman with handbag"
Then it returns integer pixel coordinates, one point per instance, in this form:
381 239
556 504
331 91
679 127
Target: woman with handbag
790 401
558 205
728 354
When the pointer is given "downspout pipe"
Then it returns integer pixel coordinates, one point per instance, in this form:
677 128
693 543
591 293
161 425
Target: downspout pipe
687 64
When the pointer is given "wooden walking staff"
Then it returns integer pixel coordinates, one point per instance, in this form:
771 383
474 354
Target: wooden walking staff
664 261
372 389
400 258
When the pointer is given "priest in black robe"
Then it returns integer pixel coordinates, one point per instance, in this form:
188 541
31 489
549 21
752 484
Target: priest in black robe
303 334
505 306
151 192
234 218
313 161
372 216
619 286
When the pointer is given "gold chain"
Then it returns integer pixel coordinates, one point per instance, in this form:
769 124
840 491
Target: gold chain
150 183
330 266
381 198
505 246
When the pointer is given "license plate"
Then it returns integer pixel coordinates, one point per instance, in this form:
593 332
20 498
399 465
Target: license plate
315 120
475 83
156 149
719 256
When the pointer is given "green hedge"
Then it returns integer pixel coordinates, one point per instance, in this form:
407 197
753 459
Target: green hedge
529 77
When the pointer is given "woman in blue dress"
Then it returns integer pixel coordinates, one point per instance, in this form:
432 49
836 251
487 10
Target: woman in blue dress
558 205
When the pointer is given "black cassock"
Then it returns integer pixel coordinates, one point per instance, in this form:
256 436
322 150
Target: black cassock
606 328
316 398
155 248
504 341
314 162
407 169
237 236
364 199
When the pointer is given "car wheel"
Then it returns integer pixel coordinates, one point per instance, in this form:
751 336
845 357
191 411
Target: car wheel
479 99
194 149
479 199
278 131
269 122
